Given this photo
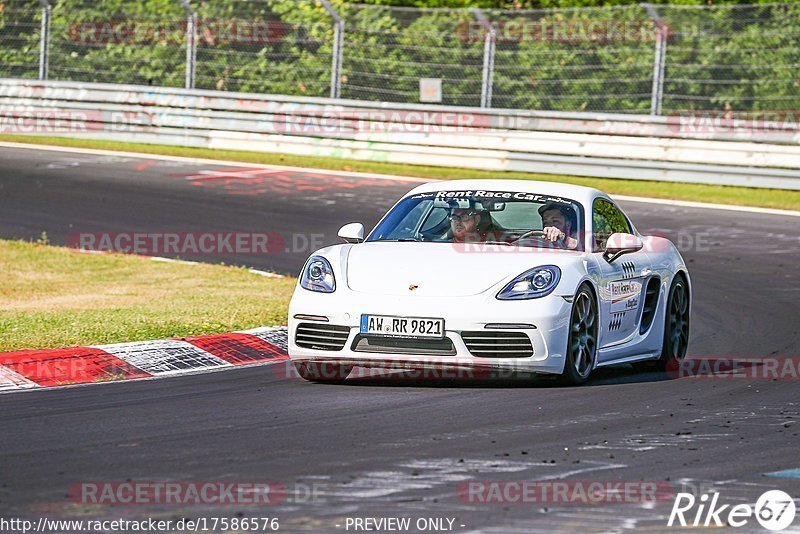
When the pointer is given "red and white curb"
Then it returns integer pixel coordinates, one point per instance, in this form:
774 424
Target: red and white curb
31 369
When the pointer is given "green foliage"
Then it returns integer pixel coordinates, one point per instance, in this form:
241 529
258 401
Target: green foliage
62 298
387 51
733 57
730 57
19 39
542 4
272 46
118 41
551 66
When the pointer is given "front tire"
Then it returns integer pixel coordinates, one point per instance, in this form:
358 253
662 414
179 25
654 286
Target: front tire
582 342
676 326
323 372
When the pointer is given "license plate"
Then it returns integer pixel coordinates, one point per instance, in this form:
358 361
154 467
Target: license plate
389 325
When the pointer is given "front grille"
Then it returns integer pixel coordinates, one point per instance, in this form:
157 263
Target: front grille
393 345
498 344
321 336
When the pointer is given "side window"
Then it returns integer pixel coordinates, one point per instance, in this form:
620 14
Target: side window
607 219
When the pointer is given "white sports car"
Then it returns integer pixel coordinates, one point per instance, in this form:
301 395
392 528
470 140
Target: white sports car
496 275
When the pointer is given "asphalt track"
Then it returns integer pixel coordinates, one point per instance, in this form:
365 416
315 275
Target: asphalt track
384 447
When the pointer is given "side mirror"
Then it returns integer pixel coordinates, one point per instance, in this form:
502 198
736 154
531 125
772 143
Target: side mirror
352 233
619 244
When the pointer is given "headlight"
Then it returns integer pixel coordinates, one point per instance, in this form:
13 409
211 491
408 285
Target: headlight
318 275
533 284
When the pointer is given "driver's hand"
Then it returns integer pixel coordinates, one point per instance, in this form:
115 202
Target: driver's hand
553 234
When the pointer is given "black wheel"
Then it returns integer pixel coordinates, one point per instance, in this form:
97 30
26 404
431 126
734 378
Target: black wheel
676 328
582 343
323 372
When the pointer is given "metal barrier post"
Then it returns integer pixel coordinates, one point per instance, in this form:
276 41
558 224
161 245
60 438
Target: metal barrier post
489 44
44 40
191 43
659 60
338 48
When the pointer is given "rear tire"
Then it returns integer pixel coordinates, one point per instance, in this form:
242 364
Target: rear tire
323 372
581 350
676 326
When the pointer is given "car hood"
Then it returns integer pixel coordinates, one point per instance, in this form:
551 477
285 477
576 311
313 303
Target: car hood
440 269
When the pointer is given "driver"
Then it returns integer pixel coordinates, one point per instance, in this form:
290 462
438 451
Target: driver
470 225
557 225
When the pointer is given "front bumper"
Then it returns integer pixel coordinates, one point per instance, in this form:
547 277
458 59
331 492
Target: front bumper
548 316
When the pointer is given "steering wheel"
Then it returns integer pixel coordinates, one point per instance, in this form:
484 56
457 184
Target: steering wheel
532 233
538 235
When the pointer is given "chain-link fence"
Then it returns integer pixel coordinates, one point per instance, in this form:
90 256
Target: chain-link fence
388 50
578 60
261 46
20 39
639 58
738 58
118 42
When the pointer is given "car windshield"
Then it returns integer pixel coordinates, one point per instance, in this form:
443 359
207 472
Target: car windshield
499 217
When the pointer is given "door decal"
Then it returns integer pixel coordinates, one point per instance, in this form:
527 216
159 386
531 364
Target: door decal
628 270
616 321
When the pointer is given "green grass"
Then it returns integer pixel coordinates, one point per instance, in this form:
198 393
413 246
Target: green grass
54 296
768 198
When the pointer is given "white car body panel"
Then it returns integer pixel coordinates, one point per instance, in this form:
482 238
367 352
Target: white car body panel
440 280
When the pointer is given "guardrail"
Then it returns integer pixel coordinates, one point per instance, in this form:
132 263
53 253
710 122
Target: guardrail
681 149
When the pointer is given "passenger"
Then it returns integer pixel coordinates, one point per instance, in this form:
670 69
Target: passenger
471 226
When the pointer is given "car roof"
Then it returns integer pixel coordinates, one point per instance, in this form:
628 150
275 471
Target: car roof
579 193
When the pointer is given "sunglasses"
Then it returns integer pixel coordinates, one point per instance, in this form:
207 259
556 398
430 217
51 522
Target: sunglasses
464 217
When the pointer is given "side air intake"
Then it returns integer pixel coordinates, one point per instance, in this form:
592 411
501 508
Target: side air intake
650 304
